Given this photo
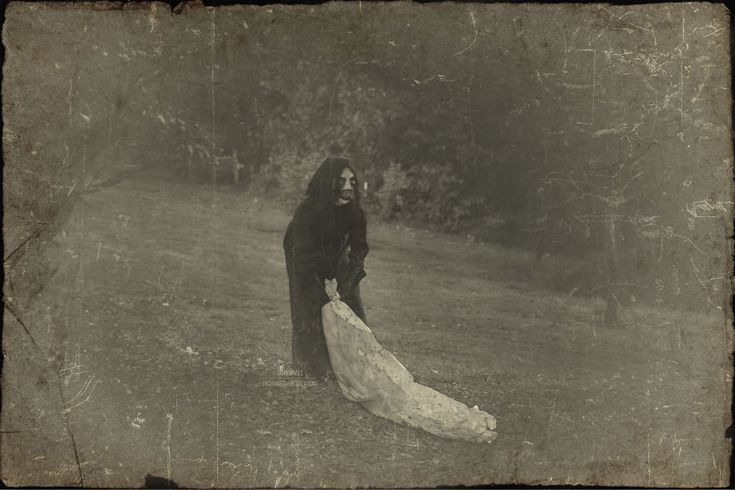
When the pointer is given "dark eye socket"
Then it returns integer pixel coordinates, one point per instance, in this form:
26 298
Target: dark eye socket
353 181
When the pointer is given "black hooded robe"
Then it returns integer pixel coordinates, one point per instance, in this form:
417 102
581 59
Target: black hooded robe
311 257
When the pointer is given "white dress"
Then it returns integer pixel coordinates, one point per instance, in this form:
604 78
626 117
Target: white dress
369 374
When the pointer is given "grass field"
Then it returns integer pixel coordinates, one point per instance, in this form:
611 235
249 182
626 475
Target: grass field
170 305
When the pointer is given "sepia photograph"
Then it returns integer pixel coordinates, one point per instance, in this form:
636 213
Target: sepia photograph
363 244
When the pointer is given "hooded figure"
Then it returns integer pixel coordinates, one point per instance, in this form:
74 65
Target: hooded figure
326 239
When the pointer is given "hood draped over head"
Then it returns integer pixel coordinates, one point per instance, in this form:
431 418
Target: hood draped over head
323 189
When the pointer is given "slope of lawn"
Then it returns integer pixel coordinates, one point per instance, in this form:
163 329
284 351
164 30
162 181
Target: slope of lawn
170 305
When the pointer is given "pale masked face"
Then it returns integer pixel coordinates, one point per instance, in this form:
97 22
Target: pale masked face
346 184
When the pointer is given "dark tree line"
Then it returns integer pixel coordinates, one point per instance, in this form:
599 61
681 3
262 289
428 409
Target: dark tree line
606 140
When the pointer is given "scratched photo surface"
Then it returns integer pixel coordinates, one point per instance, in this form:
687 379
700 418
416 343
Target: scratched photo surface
548 195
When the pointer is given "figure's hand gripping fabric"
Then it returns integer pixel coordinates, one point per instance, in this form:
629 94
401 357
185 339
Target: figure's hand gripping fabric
350 277
369 374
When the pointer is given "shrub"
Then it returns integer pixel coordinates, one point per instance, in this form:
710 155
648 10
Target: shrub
389 197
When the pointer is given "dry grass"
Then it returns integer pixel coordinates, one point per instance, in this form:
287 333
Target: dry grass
175 298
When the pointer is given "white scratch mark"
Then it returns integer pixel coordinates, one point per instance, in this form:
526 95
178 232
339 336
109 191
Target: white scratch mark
600 34
690 243
716 31
71 81
217 418
681 77
594 78
700 281
284 474
474 26
69 409
533 321
438 76
619 18
648 456
336 82
551 415
85 385
170 419
334 89
211 85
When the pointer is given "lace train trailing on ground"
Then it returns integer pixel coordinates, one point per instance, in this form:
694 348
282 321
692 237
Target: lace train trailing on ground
369 374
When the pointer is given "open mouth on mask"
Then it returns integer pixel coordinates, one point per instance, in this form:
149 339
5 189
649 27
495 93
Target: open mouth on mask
346 194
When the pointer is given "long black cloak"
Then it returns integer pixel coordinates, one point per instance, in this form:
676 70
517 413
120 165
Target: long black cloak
322 241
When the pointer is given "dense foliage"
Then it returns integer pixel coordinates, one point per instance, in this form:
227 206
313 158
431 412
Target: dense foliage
606 137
